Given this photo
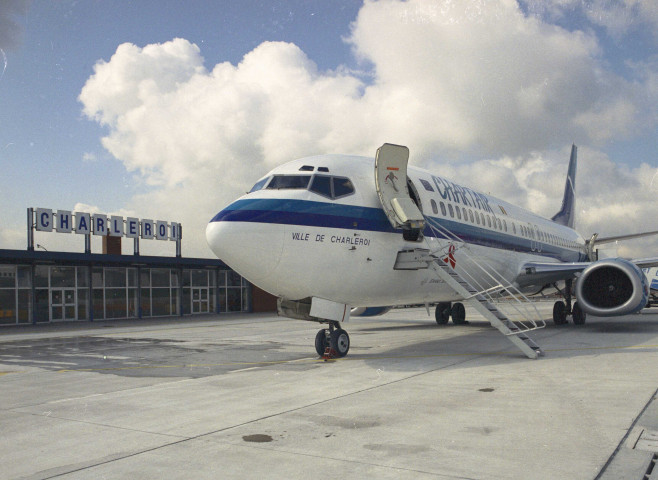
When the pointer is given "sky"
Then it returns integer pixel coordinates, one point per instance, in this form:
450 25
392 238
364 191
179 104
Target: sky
170 110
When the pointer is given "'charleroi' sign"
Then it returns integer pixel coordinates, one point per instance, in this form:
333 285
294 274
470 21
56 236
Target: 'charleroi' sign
65 221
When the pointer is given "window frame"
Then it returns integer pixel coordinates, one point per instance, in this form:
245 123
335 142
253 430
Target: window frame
332 179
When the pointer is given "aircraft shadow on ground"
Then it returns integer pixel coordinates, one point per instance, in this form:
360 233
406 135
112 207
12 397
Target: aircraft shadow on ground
479 340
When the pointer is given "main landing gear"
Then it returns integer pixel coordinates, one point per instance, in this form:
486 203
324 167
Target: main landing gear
335 339
562 309
445 310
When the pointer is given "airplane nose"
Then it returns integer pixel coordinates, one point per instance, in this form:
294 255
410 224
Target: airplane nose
253 249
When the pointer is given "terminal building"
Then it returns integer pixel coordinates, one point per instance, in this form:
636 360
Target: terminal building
43 286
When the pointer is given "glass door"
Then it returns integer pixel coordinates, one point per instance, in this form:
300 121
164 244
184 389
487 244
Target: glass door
62 304
200 302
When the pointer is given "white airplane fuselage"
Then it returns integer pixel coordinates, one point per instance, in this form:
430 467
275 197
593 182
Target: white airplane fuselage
297 243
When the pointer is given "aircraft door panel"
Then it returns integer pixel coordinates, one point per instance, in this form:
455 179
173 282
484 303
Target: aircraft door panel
391 184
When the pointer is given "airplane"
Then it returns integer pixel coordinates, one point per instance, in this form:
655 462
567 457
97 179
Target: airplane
652 279
338 235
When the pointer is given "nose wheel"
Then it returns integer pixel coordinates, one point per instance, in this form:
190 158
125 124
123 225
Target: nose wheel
331 343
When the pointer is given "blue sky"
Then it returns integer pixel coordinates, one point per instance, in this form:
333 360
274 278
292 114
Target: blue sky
44 138
497 88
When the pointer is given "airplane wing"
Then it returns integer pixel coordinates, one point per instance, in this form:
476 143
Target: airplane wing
645 262
543 273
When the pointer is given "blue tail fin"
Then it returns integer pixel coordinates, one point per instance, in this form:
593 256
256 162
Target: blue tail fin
567 214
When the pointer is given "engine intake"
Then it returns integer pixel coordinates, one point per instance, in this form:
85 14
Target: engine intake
611 287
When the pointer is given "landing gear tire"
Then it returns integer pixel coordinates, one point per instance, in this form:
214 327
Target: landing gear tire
442 312
321 342
340 342
559 313
458 314
579 316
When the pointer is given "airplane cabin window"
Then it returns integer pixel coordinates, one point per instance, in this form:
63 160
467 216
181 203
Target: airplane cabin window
470 215
259 185
435 209
443 209
514 228
452 213
321 185
427 185
342 186
459 213
289 182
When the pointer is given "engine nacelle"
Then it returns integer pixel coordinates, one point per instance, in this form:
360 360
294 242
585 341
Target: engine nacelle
612 287
369 311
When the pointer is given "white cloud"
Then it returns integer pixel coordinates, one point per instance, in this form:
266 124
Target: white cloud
611 199
13 237
446 77
89 157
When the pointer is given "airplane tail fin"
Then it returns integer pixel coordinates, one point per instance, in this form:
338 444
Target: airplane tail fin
567 214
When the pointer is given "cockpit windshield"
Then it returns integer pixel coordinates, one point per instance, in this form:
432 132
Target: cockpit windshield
259 185
331 187
326 185
289 181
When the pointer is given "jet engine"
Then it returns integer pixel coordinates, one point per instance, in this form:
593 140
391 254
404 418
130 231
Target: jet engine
612 287
368 311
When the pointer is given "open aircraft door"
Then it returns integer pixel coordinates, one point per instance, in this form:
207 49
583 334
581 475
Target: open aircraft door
391 184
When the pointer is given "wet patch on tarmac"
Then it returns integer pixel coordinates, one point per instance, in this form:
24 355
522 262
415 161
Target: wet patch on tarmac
257 438
135 357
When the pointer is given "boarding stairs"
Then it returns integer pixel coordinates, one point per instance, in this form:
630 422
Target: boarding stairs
480 285
466 279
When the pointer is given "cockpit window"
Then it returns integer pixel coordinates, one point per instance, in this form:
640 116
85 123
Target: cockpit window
326 185
331 187
321 185
342 186
259 184
289 181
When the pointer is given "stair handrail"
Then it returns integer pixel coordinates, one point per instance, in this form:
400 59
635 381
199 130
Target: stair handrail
520 304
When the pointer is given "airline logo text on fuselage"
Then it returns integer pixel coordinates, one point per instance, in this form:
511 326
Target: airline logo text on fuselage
456 193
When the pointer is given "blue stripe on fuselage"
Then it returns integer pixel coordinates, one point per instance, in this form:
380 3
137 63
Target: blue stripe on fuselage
305 212
352 217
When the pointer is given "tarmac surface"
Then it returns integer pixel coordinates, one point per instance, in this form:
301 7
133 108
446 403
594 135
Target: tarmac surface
245 396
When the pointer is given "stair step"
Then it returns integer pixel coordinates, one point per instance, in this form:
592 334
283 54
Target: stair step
497 318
